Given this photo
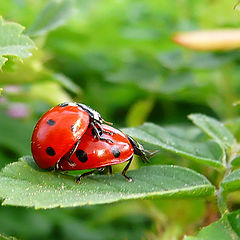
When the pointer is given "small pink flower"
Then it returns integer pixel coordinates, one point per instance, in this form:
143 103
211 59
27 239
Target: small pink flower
3 100
12 89
18 110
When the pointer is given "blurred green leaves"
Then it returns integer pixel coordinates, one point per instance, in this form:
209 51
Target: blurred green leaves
53 15
227 228
139 112
23 185
13 42
15 135
7 238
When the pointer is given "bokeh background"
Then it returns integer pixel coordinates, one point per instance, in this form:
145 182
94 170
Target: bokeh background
119 58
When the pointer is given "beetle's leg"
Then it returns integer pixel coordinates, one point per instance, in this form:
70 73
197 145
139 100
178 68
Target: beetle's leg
110 169
129 179
71 163
78 180
102 130
57 166
101 169
106 140
96 133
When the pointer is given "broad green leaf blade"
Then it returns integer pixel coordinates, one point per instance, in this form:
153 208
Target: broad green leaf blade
232 181
236 161
208 152
22 185
227 228
214 129
55 14
13 42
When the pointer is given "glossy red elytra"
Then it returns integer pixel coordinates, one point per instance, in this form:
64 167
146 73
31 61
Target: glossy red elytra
92 153
59 130
72 136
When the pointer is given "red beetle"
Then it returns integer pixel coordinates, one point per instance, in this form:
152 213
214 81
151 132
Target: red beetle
92 153
59 130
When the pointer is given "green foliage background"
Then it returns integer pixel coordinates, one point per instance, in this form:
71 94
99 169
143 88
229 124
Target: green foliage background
119 58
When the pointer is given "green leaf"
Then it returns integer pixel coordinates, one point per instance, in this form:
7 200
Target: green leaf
191 133
177 82
227 228
53 15
214 129
13 42
48 91
2 237
15 134
231 182
139 112
66 83
235 161
194 60
208 152
23 185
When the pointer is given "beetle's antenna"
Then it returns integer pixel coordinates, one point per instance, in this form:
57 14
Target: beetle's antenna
145 154
107 122
151 153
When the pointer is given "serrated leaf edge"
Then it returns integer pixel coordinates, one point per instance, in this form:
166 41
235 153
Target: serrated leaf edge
21 29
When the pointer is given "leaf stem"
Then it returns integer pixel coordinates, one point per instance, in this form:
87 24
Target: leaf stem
221 196
222 203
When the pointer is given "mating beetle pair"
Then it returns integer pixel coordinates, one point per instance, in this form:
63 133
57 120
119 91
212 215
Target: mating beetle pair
72 136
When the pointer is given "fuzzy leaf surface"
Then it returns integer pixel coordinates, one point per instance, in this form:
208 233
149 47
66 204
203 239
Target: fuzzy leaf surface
208 152
23 184
214 129
232 181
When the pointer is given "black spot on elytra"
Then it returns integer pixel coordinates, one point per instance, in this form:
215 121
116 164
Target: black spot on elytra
63 105
51 122
50 151
73 128
115 152
81 155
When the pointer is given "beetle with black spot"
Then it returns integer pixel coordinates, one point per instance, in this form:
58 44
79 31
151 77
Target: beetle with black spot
72 136
59 131
96 155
